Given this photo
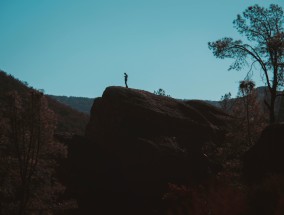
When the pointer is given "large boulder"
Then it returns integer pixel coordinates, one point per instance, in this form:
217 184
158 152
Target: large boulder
137 142
123 112
266 158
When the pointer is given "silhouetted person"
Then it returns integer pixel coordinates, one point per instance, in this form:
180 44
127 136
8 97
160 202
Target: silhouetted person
125 79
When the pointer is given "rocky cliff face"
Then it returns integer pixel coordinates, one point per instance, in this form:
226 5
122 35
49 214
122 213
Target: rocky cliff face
137 142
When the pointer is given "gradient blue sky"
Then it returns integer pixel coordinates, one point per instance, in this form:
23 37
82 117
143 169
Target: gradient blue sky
79 47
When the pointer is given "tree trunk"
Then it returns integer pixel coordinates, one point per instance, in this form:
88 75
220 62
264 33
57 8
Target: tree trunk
248 120
271 109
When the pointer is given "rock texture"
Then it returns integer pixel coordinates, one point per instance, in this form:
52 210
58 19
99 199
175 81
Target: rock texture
266 156
123 112
137 142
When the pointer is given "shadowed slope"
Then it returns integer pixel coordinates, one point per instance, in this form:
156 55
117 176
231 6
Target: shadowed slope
68 120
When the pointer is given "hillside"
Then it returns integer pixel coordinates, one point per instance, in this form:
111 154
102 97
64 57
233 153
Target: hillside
68 120
262 94
81 104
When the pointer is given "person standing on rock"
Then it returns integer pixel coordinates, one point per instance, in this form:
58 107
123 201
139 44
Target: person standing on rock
125 79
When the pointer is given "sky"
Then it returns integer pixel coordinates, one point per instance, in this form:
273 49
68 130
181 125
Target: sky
80 47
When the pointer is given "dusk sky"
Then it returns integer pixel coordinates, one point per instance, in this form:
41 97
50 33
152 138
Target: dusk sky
79 47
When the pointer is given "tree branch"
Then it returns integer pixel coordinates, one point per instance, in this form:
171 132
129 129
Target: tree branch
254 54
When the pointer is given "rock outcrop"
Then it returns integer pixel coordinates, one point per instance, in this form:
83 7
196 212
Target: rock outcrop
266 156
137 142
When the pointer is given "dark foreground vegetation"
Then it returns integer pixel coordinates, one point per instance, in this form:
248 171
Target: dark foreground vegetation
148 153
32 158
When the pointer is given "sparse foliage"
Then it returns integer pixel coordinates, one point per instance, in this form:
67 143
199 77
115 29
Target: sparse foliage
263 29
29 156
249 119
161 92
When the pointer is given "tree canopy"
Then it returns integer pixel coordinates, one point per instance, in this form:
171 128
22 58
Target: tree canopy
263 48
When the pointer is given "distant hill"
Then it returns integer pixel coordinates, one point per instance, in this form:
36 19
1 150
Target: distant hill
214 103
81 104
68 119
262 95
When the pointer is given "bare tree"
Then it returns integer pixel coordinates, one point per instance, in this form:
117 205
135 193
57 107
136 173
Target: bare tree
32 155
264 32
245 88
26 135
